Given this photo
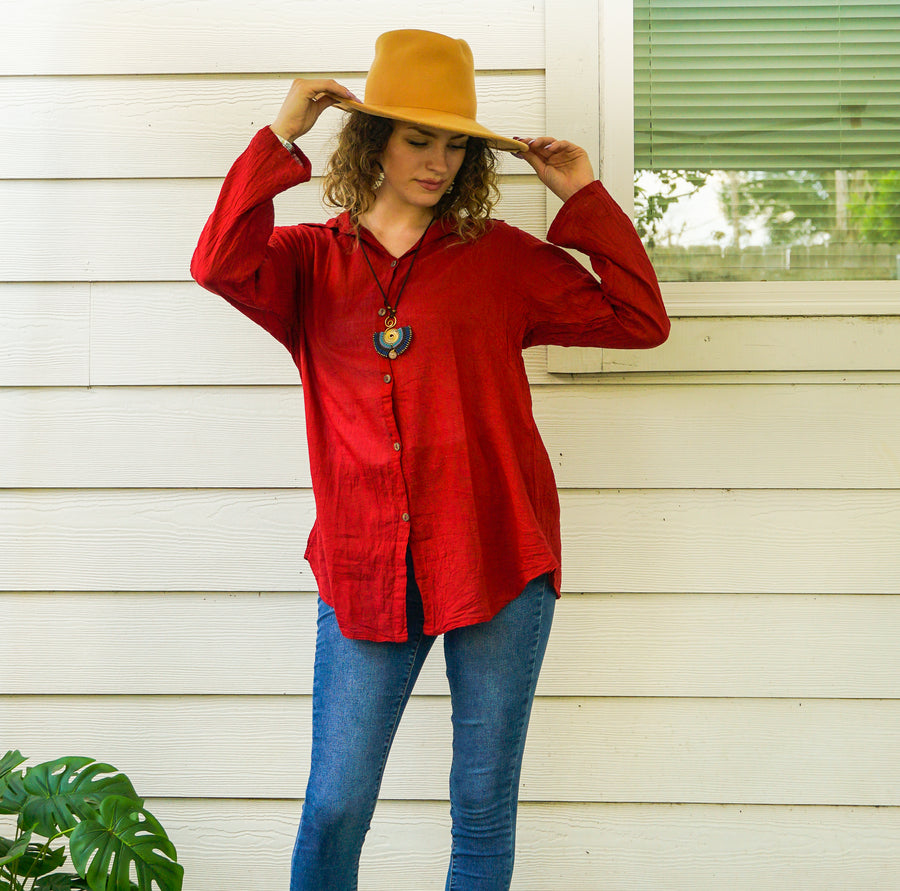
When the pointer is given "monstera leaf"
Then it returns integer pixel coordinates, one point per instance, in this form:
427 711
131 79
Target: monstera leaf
121 836
61 882
67 790
10 761
12 852
25 858
12 793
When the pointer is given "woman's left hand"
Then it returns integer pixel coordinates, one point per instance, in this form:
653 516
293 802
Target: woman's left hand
563 167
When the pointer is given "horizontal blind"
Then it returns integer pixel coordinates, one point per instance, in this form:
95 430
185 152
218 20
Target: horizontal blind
763 85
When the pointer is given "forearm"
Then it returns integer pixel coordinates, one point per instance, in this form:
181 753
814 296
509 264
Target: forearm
591 222
234 241
241 255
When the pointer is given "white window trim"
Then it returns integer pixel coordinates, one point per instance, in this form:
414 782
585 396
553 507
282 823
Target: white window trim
572 31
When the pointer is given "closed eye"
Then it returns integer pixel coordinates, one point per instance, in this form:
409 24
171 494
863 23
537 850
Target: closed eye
419 144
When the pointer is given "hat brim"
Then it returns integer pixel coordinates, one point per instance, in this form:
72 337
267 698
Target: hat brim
439 119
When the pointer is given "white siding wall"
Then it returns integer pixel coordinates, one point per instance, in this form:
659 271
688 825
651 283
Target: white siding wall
719 706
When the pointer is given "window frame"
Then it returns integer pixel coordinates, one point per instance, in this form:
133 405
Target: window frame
616 136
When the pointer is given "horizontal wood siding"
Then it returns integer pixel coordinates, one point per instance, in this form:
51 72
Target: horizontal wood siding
627 847
632 540
77 37
678 847
656 436
639 645
751 344
600 749
719 706
192 126
127 230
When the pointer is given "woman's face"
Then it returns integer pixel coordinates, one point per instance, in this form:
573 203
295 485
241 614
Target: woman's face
419 163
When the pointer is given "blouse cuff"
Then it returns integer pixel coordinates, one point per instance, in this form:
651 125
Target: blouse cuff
286 143
271 139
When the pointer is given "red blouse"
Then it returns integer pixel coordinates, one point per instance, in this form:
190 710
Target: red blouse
437 449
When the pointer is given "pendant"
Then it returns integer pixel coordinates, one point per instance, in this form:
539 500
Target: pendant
393 341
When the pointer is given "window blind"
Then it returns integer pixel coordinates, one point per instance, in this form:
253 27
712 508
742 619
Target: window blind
762 85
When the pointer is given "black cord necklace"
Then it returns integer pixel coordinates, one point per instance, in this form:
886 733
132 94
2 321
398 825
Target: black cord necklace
393 341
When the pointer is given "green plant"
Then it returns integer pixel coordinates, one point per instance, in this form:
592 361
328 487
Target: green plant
115 844
656 191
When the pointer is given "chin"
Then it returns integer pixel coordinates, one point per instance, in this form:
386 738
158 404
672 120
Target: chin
430 200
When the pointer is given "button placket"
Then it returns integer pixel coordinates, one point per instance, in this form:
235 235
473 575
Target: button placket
390 284
389 379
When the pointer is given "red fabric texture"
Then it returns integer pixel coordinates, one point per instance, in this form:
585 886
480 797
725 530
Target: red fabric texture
436 450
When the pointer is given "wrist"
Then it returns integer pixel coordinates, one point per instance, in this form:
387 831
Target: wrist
283 135
572 189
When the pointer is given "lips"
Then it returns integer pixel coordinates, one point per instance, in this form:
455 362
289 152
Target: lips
431 185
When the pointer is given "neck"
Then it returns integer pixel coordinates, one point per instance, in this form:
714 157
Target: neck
396 219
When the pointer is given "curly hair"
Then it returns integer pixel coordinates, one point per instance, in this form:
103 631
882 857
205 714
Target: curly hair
354 173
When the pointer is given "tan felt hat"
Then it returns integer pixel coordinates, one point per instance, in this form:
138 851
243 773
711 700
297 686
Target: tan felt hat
426 78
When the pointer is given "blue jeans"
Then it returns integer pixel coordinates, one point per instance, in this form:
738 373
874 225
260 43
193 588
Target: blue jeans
360 689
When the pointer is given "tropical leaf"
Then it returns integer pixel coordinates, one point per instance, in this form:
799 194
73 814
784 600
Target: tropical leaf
61 881
10 761
67 790
124 835
36 862
12 795
10 852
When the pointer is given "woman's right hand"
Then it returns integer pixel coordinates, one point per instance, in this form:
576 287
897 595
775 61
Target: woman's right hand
305 101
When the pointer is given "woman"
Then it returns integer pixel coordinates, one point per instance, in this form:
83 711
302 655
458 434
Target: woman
436 507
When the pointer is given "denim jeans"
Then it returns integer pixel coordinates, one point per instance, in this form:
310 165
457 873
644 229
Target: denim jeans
360 689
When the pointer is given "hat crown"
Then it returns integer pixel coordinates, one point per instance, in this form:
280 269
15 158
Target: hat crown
422 69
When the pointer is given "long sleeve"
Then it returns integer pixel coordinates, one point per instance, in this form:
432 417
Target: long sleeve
567 306
241 255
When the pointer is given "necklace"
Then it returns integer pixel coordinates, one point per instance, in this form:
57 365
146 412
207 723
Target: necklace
393 341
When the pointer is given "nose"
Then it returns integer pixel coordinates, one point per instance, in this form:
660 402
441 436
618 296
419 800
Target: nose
438 159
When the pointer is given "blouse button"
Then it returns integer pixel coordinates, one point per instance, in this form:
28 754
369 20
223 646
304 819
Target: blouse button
387 378
405 518
393 263
396 446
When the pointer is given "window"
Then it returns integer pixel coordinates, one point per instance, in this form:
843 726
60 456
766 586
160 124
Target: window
766 138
